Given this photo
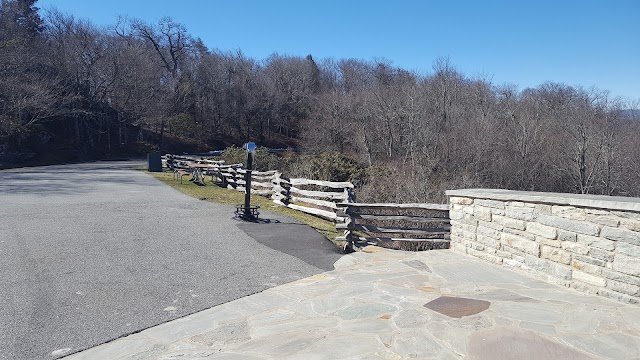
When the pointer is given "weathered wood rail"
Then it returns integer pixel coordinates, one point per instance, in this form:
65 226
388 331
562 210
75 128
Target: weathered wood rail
314 197
426 226
232 177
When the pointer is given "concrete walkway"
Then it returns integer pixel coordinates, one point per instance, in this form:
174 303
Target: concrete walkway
373 307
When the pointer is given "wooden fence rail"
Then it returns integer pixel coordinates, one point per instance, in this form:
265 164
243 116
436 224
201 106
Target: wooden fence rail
426 225
316 197
232 177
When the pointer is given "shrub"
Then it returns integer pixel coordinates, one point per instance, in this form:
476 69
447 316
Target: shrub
263 160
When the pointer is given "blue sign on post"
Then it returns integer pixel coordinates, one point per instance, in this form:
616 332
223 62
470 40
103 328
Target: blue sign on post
250 147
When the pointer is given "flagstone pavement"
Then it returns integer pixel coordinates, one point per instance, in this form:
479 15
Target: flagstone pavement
372 306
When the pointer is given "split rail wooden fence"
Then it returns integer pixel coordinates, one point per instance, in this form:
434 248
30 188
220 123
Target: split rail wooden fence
314 197
426 225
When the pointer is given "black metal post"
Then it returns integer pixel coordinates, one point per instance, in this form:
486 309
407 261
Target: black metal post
247 192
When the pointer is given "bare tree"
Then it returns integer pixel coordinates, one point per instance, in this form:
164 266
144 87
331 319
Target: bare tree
172 45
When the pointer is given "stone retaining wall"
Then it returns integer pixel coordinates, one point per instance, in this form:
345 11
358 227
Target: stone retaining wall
589 243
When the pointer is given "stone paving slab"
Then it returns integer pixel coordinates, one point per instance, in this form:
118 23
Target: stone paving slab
373 307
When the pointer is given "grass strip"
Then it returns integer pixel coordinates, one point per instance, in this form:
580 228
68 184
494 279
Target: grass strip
220 195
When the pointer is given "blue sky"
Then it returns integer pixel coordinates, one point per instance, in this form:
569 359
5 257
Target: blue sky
577 42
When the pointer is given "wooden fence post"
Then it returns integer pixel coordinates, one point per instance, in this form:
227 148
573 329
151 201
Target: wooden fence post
225 183
343 211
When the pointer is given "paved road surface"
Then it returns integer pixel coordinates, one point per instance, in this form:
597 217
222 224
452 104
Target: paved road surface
91 252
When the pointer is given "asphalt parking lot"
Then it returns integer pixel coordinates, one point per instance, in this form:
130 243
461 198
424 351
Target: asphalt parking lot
91 252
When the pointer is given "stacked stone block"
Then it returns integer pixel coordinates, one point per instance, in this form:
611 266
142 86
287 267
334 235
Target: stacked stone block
592 250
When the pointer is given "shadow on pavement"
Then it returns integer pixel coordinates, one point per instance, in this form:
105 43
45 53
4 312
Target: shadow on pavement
288 236
62 179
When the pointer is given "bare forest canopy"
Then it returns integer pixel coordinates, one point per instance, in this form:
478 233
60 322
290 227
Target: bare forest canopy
70 90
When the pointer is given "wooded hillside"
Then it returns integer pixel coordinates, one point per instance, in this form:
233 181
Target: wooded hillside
70 90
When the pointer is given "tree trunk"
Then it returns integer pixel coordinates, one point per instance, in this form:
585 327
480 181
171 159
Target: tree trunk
161 143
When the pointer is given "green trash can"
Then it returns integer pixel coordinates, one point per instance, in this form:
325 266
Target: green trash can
154 162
